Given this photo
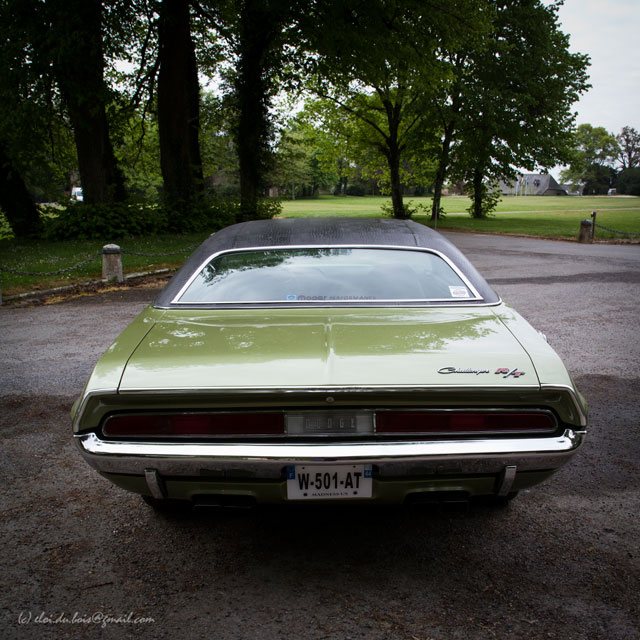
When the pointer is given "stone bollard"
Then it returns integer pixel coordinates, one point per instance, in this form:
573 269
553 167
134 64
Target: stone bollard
112 263
586 230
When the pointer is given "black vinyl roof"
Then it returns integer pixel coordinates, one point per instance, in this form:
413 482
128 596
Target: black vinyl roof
282 232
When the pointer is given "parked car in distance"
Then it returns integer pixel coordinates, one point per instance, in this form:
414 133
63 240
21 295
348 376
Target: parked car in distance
328 361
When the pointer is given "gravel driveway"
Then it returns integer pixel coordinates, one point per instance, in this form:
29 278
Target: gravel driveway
83 559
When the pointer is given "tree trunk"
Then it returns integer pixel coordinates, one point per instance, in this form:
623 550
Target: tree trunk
392 152
102 180
178 111
257 29
393 159
78 67
478 193
15 201
443 165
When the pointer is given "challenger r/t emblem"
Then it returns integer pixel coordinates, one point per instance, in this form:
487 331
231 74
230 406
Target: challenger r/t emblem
458 370
509 372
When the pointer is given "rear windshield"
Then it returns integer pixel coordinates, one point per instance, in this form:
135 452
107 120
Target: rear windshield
308 275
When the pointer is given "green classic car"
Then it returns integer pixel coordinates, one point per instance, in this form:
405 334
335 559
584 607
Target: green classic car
328 360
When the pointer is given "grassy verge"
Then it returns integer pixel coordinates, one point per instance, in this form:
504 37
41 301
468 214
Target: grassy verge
39 255
563 225
549 217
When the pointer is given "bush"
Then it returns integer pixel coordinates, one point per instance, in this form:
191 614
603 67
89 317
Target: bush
5 228
269 208
490 197
355 190
226 191
408 210
102 221
110 221
207 214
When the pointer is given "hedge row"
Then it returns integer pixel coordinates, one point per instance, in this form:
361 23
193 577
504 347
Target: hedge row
87 222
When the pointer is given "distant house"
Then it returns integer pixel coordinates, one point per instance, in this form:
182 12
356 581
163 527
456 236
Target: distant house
533 184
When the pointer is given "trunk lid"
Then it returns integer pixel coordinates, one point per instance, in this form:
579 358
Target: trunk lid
310 348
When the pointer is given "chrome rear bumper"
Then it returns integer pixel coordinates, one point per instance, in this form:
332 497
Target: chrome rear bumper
391 459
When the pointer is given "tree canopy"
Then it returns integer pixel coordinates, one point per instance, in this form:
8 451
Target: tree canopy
179 102
510 104
628 141
381 63
592 154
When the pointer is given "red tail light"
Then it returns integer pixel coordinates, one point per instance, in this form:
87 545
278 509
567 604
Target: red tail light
463 421
195 424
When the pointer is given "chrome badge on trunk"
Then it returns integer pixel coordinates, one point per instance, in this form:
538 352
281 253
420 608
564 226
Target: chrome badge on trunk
325 423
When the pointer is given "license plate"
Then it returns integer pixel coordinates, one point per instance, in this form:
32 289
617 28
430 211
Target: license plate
322 482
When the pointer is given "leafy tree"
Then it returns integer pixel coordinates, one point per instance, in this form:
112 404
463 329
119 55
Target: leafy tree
294 170
628 148
593 152
258 48
308 157
72 40
260 36
138 154
29 120
598 180
628 181
379 62
219 158
447 112
337 146
510 103
169 117
55 61
178 111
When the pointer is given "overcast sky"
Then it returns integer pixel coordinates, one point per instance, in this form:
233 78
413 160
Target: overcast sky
609 32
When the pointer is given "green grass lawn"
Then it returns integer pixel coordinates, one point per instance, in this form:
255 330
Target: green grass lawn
538 204
325 206
41 255
547 217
